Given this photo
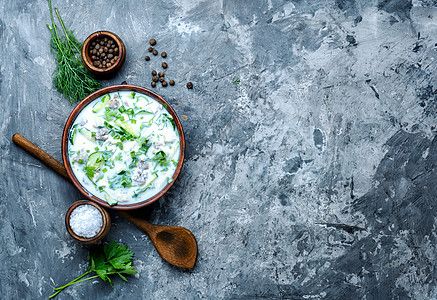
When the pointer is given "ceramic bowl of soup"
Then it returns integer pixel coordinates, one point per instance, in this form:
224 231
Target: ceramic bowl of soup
123 147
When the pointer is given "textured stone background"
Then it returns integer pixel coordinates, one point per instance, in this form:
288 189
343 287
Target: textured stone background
333 124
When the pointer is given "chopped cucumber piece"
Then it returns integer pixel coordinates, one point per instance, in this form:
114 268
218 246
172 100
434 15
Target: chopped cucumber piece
143 112
149 181
174 150
87 133
101 104
73 133
111 201
128 127
96 160
131 95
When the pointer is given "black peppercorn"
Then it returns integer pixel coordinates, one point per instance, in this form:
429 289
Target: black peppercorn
155 78
163 54
164 83
153 73
153 83
150 49
161 74
164 65
155 52
152 42
171 82
147 58
189 85
161 79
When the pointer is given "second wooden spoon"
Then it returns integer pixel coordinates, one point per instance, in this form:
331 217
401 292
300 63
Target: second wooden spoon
175 244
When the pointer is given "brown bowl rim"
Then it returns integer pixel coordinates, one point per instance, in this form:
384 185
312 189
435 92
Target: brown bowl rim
106 220
82 105
86 59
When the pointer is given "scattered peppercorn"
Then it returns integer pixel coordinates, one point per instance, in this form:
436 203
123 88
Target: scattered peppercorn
164 54
152 42
189 85
150 49
161 74
147 58
164 83
153 73
155 78
171 82
161 79
164 65
153 83
155 52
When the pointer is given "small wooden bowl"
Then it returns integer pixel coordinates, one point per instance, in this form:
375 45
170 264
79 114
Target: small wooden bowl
100 235
86 57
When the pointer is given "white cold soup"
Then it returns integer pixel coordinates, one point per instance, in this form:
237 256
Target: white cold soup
124 147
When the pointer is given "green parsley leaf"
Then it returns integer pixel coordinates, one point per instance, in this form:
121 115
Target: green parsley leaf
110 259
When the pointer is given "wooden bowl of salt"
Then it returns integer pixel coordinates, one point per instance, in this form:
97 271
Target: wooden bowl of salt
87 222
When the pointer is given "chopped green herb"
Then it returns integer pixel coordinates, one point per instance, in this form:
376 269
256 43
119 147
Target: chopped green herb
70 77
170 119
236 81
160 158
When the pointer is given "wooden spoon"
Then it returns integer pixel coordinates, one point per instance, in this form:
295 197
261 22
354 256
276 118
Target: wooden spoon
175 244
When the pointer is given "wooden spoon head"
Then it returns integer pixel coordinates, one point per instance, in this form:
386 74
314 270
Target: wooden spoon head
176 245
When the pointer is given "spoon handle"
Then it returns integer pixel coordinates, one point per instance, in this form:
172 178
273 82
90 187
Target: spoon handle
59 168
40 154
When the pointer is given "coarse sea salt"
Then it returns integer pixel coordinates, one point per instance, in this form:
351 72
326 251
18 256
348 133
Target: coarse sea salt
86 221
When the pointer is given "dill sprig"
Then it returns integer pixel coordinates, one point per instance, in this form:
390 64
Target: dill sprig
70 77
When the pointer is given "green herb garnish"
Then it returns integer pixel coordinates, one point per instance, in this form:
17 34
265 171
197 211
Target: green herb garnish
110 259
160 158
170 119
236 81
70 77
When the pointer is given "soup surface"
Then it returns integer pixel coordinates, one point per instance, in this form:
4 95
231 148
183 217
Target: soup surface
124 147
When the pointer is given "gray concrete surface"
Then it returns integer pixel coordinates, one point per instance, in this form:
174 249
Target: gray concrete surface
314 178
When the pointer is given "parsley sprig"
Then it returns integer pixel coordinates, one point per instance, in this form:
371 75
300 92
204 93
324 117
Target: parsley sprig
110 259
